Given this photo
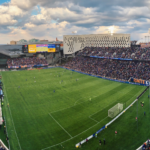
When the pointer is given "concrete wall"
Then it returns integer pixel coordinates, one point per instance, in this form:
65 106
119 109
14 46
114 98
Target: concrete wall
74 43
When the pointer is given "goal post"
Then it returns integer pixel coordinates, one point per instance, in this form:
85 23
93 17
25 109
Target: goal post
115 110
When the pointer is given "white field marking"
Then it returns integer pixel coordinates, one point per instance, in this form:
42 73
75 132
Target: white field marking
34 85
112 103
78 104
67 107
59 125
12 120
93 119
85 97
78 100
75 135
134 95
102 93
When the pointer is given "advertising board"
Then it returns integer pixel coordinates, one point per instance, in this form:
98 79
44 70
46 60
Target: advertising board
42 48
32 48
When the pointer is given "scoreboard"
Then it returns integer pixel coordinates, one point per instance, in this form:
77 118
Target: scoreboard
40 48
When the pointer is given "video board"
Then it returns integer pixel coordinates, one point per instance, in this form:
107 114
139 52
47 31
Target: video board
32 48
24 48
39 48
51 48
42 48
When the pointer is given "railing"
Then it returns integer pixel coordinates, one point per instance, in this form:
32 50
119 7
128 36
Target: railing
3 145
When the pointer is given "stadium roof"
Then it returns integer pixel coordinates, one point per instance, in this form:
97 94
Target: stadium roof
11 50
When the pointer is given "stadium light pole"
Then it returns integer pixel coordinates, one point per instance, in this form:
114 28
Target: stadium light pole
111 34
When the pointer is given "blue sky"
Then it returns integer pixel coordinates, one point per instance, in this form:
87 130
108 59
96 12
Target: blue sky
3 1
48 19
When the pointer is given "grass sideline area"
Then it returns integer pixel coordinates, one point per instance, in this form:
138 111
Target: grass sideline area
50 109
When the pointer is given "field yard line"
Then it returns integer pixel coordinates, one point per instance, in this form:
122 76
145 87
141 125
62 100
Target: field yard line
13 121
74 136
60 125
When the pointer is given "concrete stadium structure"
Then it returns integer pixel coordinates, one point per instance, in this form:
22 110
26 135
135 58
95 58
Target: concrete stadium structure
74 43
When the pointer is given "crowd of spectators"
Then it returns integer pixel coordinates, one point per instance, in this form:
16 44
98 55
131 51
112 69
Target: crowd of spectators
146 145
26 61
136 53
2 147
114 69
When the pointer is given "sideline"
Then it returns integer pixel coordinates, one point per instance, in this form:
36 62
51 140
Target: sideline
11 116
74 136
60 125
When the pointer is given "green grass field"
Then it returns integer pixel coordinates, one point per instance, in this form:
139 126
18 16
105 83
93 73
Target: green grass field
40 119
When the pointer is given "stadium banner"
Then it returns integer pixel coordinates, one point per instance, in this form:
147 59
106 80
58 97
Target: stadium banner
111 58
140 81
100 130
27 66
32 48
107 78
51 48
42 48
13 67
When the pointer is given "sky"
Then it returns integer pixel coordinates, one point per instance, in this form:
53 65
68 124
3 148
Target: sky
48 19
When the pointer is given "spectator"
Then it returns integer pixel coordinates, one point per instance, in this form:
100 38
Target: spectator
136 53
27 62
114 69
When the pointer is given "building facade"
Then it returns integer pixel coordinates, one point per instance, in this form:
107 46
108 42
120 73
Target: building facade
74 43
13 42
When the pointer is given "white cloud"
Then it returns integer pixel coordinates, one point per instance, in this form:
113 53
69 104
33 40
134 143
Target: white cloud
29 25
11 14
7 20
18 20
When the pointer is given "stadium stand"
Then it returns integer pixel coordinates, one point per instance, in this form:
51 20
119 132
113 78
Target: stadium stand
135 53
2 146
114 69
145 146
1 118
26 62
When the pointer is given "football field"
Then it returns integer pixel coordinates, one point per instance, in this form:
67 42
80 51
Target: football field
57 108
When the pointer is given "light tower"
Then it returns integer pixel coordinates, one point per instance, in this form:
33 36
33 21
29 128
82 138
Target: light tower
111 32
